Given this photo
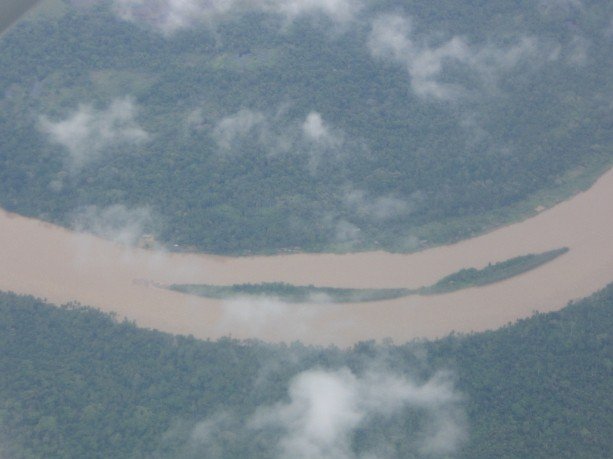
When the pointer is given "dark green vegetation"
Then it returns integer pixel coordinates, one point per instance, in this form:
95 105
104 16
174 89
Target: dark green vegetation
492 273
74 383
293 293
399 171
470 277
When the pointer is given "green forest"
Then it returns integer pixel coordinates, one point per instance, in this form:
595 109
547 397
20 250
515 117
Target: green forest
243 127
77 383
292 293
259 136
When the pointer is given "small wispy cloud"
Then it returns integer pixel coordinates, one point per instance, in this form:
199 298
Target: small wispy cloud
274 134
315 130
246 124
392 38
346 232
379 208
320 140
89 132
268 314
116 223
170 16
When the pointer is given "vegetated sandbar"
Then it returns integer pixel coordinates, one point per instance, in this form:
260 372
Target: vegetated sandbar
292 293
44 260
465 278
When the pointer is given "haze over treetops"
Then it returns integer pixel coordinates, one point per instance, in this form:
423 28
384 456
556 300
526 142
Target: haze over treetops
262 126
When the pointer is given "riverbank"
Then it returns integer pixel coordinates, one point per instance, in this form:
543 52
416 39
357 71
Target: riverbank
51 262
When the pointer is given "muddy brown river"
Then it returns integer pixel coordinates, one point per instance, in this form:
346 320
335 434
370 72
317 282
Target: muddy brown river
51 262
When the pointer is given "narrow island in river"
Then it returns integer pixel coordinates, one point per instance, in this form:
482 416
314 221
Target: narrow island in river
45 260
465 278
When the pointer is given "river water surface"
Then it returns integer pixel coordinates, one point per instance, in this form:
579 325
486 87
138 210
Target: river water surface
51 262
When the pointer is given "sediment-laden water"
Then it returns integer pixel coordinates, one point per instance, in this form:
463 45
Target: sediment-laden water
51 262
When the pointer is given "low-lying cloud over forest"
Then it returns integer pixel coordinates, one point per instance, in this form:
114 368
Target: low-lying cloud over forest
326 410
302 124
392 38
117 223
248 131
89 132
172 15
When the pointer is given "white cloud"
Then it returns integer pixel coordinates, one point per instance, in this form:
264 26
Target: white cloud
239 126
254 314
248 129
391 38
274 134
88 132
269 315
322 412
381 207
314 128
346 232
325 408
321 140
116 223
172 15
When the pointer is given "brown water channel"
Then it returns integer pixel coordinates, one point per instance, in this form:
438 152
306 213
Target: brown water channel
51 262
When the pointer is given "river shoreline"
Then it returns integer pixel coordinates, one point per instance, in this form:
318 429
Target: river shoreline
51 262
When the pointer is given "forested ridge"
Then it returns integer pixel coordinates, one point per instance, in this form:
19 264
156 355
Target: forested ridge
76 383
259 135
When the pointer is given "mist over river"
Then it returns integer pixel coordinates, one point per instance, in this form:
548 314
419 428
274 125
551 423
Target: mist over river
44 260
11 10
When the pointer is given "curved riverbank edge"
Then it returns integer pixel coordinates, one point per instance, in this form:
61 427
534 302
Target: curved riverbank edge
44 260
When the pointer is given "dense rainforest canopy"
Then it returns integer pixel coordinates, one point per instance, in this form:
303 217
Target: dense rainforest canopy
260 126
76 383
357 125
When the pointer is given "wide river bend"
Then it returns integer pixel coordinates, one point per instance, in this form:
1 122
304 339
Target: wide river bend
60 265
